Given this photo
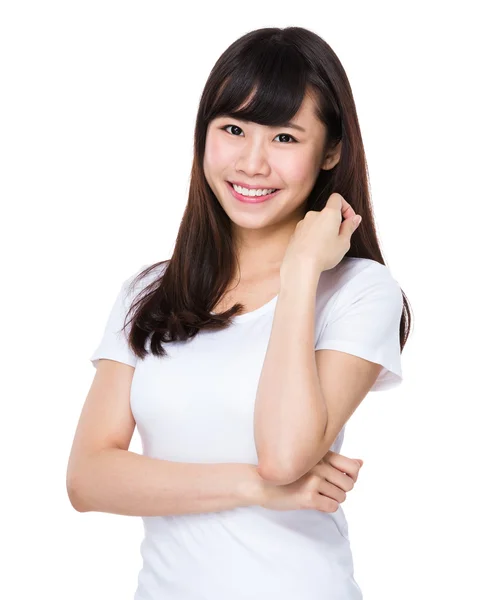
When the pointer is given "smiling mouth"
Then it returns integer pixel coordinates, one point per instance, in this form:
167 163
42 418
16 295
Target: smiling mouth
252 199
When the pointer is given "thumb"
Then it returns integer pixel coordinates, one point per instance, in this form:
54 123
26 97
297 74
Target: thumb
336 199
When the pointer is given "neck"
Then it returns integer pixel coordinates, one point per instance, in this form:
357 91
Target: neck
261 251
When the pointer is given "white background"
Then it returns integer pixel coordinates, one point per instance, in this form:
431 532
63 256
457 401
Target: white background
97 109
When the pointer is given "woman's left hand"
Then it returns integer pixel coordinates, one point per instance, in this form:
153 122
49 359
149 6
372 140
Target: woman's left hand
319 239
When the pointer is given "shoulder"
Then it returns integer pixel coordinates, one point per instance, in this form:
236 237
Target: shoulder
354 279
146 274
351 270
143 277
355 273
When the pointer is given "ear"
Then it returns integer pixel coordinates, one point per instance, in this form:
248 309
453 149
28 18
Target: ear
332 157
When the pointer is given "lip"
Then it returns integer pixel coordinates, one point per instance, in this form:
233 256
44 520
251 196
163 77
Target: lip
254 199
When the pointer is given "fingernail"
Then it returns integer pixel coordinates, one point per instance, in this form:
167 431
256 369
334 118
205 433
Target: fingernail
357 219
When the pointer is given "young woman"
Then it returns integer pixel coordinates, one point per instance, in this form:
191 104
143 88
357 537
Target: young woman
247 351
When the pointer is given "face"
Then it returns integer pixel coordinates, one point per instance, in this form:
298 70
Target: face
285 158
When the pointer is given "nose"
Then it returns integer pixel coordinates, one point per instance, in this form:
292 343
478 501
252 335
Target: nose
253 160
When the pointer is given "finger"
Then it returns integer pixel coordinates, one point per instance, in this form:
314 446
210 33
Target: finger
335 492
346 210
334 476
348 227
344 464
325 504
338 202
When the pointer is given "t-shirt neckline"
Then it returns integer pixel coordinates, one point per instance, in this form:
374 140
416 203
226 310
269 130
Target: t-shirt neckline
255 313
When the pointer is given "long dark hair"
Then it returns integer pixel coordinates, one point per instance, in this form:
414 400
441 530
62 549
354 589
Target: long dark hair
278 67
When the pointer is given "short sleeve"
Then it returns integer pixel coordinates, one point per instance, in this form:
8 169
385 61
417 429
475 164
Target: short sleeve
364 321
114 341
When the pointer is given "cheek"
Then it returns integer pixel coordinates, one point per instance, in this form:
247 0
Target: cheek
297 170
216 153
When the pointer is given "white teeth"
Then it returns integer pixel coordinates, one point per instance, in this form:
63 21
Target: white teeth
245 192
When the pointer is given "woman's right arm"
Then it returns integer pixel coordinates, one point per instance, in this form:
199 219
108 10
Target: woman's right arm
104 476
125 483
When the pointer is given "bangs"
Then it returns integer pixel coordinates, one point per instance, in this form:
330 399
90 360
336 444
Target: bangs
267 86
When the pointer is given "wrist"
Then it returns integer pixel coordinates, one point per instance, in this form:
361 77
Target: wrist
306 273
299 283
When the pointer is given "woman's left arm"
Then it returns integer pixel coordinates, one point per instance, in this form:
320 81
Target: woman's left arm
304 397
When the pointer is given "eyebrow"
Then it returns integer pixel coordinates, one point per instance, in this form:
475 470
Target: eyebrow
288 124
292 126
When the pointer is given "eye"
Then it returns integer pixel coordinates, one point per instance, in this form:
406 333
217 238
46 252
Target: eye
224 128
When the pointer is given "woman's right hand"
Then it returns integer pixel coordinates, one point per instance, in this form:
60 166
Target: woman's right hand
322 488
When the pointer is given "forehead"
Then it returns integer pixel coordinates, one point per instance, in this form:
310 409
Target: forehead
307 110
305 116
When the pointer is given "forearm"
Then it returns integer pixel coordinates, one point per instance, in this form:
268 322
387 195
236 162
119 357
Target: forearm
126 483
290 412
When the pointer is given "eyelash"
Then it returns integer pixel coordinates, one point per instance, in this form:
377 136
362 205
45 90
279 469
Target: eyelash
285 143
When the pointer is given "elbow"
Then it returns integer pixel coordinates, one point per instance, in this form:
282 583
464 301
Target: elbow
276 475
291 470
75 496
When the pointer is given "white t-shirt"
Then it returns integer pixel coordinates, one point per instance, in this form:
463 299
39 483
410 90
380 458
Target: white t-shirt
196 405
